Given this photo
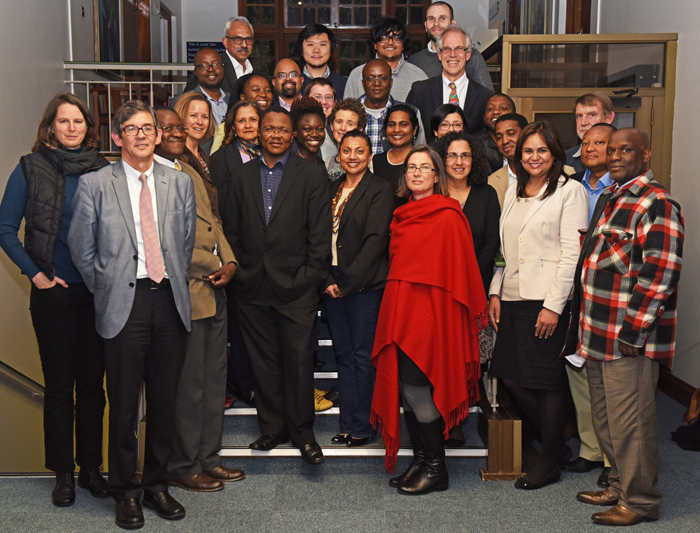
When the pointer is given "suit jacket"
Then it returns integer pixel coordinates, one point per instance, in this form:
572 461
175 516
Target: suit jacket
483 212
499 180
230 78
293 250
209 236
224 166
363 236
103 246
575 161
548 244
426 95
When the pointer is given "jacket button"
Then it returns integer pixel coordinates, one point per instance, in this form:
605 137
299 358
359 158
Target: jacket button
136 257
339 247
521 260
131 284
209 228
520 239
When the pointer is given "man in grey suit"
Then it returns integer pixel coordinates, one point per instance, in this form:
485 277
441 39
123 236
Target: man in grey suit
131 239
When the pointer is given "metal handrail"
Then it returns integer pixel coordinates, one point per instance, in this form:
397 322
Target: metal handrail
36 389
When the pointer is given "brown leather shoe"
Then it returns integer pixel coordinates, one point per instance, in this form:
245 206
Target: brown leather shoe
599 497
198 483
224 473
619 516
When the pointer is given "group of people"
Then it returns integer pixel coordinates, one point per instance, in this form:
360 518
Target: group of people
232 217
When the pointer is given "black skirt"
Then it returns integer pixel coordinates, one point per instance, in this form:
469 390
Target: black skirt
520 355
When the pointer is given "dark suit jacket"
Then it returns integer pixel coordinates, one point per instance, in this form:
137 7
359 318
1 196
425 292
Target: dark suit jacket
483 212
224 166
426 95
229 83
578 176
363 236
294 249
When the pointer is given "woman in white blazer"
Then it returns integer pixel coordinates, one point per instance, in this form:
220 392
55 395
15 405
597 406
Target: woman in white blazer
539 228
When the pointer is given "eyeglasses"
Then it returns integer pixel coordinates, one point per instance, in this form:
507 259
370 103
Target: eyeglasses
168 129
423 169
453 156
239 40
280 131
132 131
321 97
207 66
290 75
447 126
380 79
458 50
395 38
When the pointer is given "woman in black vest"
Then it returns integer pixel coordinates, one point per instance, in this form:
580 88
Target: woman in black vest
40 190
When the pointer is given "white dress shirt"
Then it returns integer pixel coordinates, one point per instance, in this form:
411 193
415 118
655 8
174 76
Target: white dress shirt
134 185
462 86
241 70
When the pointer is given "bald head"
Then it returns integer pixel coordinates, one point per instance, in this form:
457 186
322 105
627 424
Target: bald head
377 83
628 154
288 88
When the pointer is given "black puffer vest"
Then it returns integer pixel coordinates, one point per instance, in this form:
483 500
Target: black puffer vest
45 172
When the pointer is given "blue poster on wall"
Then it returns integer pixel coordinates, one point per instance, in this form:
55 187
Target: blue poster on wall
194 46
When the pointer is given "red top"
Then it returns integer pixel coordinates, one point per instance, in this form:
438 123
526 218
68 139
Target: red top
431 305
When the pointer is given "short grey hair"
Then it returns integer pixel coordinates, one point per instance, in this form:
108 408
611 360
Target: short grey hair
453 28
128 110
238 19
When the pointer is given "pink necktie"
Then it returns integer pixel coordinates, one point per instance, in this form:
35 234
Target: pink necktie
454 99
151 247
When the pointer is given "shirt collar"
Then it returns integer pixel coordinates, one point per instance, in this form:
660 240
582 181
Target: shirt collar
164 161
306 72
578 152
245 69
282 161
460 83
431 48
222 96
604 181
398 66
390 102
133 174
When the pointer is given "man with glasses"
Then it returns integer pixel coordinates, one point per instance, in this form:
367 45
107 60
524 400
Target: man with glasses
209 72
287 80
131 238
389 38
280 233
452 86
239 40
377 82
437 17
316 43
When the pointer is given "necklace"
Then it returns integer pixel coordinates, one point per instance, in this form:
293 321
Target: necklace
338 209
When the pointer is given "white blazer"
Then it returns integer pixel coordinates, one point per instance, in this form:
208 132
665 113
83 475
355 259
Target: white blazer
548 244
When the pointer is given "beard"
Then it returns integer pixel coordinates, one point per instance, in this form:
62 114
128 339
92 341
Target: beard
289 91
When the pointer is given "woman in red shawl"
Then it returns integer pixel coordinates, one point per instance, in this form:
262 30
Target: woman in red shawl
426 347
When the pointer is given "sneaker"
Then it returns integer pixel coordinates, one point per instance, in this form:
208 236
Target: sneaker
321 404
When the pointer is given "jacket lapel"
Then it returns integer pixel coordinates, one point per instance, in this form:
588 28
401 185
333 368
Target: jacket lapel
162 186
252 176
122 190
436 91
469 99
537 205
355 198
288 177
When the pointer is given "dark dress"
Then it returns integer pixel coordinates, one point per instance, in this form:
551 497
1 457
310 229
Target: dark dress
483 213
389 172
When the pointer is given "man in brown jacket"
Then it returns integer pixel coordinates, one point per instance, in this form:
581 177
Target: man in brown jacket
195 464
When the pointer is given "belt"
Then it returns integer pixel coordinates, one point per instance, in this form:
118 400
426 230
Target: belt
148 283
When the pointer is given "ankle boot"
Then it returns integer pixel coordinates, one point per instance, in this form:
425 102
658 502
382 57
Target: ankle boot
432 475
63 494
418 453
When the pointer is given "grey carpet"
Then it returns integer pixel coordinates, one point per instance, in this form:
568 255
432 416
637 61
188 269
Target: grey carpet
352 495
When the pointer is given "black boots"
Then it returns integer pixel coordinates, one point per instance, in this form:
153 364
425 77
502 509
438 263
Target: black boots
63 494
431 474
417 445
92 480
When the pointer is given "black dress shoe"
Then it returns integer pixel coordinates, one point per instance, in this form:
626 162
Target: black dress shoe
333 395
63 494
268 442
581 465
164 504
524 484
341 438
129 514
92 480
603 478
354 442
311 453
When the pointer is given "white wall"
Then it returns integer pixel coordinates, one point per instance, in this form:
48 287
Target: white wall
205 21
680 16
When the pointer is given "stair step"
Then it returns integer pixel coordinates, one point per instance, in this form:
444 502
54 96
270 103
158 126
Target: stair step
249 411
344 451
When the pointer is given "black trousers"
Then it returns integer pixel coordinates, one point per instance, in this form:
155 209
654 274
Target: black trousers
280 340
150 348
71 359
239 371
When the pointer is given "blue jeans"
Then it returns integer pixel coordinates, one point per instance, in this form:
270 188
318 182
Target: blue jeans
352 322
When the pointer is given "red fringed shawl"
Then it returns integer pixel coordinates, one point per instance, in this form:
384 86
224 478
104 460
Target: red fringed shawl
432 303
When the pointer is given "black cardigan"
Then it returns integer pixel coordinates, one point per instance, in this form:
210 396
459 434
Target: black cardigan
363 236
483 213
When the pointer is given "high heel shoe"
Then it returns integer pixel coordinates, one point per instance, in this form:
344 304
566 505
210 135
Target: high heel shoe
524 484
341 438
354 442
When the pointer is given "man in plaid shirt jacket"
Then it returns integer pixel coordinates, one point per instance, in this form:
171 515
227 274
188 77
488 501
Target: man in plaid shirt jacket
626 289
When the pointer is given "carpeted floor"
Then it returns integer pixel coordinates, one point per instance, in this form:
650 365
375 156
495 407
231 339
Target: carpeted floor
351 495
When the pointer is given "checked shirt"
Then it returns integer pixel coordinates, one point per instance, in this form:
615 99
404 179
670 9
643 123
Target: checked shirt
629 280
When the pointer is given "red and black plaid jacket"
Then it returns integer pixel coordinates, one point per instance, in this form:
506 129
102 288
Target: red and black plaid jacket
630 267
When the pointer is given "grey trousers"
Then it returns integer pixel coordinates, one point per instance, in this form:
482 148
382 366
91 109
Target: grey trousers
201 396
624 416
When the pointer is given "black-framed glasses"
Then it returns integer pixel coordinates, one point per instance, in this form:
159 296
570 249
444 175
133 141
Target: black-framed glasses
290 75
458 50
132 131
250 41
423 169
168 129
395 38
207 66
380 79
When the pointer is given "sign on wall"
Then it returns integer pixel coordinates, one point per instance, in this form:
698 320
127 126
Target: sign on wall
194 46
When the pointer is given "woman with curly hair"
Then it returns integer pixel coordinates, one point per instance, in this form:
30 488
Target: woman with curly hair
467 170
348 114
309 124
